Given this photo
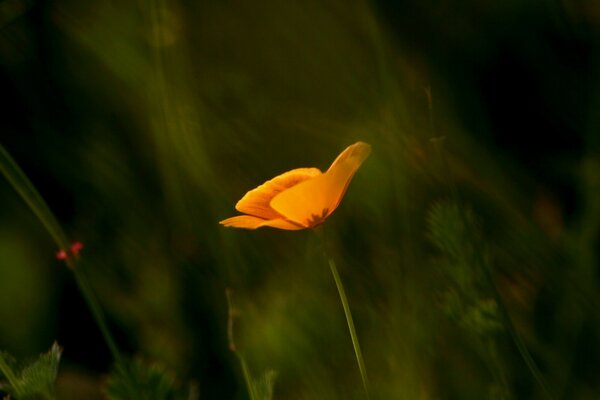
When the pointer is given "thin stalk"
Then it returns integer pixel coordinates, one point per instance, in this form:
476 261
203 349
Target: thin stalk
346 306
521 347
94 305
23 186
232 314
247 377
9 374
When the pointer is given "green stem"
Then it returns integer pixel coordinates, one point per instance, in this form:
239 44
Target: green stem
514 334
247 378
9 374
94 305
23 186
347 312
232 314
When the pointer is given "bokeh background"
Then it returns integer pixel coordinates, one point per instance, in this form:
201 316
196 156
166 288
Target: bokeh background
141 123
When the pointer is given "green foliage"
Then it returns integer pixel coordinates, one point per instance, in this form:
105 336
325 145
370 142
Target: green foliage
263 387
32 381
137 379
466 299
141 123
482 318
260 388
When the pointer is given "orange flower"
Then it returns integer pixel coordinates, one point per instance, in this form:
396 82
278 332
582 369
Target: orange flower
301 198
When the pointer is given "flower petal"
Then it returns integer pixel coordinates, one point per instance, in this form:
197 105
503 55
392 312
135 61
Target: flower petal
359 151
310 202
251 222
256 201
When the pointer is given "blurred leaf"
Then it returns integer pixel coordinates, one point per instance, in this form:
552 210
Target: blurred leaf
449 232
263 387
455 232
465 300
35 380
137 379
482 318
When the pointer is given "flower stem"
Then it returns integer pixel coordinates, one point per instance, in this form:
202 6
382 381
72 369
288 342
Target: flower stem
9 374
342 292
232 314
247 377
23 186
94 305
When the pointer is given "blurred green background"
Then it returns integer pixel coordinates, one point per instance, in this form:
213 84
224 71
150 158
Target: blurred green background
142 123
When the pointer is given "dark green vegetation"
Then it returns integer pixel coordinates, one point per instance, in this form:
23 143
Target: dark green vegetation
467 242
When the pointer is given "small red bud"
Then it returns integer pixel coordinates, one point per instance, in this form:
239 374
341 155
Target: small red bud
76 248
61 255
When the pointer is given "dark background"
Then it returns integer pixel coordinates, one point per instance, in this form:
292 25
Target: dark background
142 123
